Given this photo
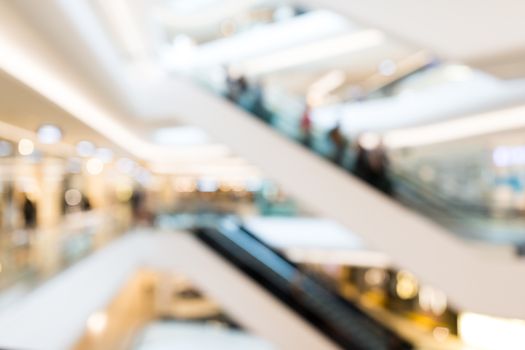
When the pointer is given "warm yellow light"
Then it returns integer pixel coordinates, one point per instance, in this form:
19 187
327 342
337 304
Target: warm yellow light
406 286
94 166
441 333
491 333
124 191
73 197
375 277
25 147
432 300
97 322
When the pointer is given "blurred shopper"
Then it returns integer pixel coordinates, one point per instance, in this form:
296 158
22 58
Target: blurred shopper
242 86
371 165
141 213
137 201
306 126
258 103
338 142
247 96
230 85
29 211
85 203
236 86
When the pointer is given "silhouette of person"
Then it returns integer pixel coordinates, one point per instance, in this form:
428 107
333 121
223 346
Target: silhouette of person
258 106
85 203
371 166
29 212
338 142
306 126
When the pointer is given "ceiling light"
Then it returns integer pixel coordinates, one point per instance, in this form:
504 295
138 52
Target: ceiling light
125 165
74 165
49 134
25 147
104 154
97 322
6 149
94 166
85 149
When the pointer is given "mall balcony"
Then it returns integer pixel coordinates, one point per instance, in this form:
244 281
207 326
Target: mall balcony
263 174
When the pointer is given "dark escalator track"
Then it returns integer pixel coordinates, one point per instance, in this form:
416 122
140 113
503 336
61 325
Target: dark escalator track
322 307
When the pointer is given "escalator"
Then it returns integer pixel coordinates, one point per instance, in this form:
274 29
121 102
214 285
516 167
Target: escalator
318 304
470 220
413 241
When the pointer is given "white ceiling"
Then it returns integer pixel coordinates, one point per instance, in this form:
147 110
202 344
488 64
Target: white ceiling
69 83
72 38
487 34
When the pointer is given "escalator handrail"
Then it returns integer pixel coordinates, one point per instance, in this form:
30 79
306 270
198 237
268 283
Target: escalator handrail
335 316
444 202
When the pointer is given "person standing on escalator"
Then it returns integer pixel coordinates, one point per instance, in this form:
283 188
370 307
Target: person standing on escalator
371 165
236 85
339 142
306 126
379 165
258 103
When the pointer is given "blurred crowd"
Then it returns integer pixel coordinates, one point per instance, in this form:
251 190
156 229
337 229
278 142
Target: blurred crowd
364 156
